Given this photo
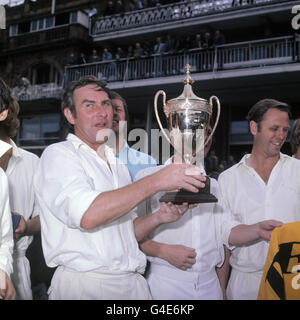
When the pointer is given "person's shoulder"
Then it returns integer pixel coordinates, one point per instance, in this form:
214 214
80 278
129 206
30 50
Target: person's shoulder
63 147
229 171
28 155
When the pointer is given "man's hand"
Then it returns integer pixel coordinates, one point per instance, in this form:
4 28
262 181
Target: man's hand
8 293
21 228
169 212
177 176
266 227
180 256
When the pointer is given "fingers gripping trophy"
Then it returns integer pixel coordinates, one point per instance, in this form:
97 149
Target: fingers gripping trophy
188 119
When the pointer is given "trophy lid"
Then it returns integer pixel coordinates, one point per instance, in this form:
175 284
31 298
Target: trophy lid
188 100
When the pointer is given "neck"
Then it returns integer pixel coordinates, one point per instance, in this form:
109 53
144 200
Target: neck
4 137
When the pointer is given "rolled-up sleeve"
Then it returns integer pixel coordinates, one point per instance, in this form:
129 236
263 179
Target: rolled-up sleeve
6 232
63 186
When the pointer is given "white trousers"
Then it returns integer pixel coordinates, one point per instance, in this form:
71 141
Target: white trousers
170 283
67 284
243 285
21 276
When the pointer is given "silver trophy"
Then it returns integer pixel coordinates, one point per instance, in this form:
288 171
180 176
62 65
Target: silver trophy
188 119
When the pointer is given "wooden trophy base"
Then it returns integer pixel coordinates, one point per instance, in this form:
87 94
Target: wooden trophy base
203 196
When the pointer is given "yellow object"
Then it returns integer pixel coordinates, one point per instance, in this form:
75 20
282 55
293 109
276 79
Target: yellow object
281 277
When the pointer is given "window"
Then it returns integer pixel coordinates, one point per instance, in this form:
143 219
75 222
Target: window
239 133
38 131
13 30
23 27
34 25
73 17
62 19
49 22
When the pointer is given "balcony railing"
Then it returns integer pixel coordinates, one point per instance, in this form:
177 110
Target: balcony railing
61 33
167 13
35 92
240 55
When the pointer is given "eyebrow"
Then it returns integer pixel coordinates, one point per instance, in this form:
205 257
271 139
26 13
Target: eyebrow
93 101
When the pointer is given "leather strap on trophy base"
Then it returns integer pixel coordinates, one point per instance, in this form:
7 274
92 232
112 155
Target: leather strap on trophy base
203 196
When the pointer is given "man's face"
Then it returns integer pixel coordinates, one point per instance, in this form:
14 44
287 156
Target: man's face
93 113
273 131
119 114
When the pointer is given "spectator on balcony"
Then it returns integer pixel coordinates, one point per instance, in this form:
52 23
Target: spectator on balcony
106 55
219 40
208 56
71 60
159 46
197 42
169 44
94 57
120 54
119 7
130 52
152 3
295 139
109 9
138 51
138 4
82 59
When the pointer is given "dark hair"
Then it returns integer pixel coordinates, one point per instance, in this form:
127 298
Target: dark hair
68 101
295 136
257 112
8 102
115 95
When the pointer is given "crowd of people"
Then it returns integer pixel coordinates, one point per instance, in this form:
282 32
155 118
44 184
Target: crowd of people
97 206
162 45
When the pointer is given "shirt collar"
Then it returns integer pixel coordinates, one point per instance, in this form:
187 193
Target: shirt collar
4 147
242 162
78 144
16 152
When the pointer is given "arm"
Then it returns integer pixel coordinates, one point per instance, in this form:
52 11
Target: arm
27 228
180 256
243 234
223 272
167 212
7 290
169 178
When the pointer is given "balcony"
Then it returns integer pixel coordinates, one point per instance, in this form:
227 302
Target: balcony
36 92
228 59
183 14
49 37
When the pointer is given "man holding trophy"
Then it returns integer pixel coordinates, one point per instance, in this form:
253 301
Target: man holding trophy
184 255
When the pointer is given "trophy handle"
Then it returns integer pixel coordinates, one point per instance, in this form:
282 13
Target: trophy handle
218 116
158 93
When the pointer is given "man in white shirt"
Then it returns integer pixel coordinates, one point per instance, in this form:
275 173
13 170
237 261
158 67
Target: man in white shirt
263 185
133 159
186 255
7 290
89 227
19 166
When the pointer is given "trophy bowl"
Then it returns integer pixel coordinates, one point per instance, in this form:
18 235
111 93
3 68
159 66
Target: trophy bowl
188 118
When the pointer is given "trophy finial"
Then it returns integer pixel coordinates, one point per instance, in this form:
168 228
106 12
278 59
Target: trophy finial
188 79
